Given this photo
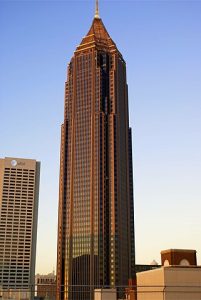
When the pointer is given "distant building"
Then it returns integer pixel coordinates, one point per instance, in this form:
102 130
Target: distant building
178 278
46 286
19 191
142 268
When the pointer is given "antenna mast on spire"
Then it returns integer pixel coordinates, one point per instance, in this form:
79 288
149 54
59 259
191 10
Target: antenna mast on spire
97 11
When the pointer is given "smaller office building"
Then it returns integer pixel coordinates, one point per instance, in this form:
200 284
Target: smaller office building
19 193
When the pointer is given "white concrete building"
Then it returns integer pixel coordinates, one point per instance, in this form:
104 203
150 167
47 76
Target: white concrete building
105 294
170 283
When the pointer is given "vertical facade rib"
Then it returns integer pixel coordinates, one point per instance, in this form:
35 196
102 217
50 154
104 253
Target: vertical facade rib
96 219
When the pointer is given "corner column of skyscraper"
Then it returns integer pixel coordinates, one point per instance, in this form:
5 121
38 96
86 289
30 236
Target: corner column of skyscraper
96 219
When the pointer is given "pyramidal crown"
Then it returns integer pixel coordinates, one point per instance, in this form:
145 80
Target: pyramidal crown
97 34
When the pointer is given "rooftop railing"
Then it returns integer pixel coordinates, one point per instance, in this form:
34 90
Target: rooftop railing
45 291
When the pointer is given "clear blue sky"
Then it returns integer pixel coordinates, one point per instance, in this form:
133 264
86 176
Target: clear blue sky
161 43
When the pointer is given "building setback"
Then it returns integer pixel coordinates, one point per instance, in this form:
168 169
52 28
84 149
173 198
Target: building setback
19 191
96 218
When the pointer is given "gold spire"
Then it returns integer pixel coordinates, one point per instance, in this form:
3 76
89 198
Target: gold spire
97 11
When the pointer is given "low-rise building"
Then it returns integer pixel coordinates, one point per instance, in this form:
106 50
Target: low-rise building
179 278
46 286
170 283
105 294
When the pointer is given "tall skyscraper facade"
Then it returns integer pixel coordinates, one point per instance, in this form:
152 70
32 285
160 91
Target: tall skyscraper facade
96 218
19 191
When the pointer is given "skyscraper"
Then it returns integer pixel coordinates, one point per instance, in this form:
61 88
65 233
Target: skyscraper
96 219
19 189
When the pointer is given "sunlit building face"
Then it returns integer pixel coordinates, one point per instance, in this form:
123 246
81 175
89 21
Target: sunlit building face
19 192
96 220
